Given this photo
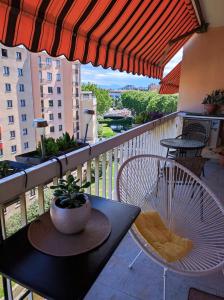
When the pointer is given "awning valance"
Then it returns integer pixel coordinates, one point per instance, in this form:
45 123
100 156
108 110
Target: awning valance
170 83
128 35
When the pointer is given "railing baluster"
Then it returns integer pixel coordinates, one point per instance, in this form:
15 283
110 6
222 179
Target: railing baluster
40 198
22 199
97 176
110 181
3 226
115 172
79 174
104 175
121 154
88 175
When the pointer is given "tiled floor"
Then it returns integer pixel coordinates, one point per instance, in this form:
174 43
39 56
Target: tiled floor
145 280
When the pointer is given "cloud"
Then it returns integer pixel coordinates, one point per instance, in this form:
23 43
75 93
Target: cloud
110 78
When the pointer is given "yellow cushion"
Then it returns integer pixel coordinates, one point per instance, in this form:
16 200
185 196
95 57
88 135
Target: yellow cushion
163 241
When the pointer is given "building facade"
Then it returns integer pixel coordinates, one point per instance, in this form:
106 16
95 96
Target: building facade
56 92
34 85
16 105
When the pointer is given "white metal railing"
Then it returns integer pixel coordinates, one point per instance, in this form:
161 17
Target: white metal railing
99 164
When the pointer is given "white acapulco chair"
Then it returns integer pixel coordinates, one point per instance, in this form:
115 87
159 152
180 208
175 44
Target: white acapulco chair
185 204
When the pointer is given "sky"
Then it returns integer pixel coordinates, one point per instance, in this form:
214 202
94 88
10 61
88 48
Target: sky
107 78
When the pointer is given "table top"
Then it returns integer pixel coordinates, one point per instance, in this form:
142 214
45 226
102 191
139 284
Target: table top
64 277
176 143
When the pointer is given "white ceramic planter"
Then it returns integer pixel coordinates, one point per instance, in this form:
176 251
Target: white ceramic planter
70 220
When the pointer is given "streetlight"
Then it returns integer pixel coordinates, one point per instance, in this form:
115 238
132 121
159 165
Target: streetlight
89 113
40 124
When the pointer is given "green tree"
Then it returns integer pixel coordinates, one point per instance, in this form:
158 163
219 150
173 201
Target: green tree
136 101
162 103
104 101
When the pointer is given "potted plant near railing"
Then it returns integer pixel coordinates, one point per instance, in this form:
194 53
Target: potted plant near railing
213 100
220 100
71 208
52 147
8 167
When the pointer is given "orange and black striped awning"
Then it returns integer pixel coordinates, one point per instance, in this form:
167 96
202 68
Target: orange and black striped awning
128 35
170 83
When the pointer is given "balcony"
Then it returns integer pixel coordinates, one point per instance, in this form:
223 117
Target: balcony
105 159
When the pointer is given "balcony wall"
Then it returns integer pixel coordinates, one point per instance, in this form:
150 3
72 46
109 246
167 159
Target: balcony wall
202 68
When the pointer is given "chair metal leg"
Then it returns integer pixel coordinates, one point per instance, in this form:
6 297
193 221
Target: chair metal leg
134 260
164 282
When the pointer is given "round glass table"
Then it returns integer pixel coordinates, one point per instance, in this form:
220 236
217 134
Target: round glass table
182 145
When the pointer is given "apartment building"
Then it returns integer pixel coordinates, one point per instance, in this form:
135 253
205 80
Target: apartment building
34 85
88 102
56 91
16 105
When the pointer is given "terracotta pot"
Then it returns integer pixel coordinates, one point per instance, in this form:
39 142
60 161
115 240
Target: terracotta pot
210 108
221 160
70 220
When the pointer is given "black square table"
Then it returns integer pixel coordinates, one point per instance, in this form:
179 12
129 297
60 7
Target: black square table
64 277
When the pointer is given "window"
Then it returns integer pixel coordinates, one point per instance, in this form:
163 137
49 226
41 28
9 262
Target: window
60 127
76 71
77 126
76 92
51 128
9 103
4 53
21 87
20 72
59 115
50 90
13 148
40 75
12 134
48 61
77 114
39 60
8 87
77 135
22 102
41 91
1 152
26 145
58 77
5 71
77 103
23 117
51 103
59 102
25 131
58 63
42 103
49 76
18 55
11 119
58 90
51 117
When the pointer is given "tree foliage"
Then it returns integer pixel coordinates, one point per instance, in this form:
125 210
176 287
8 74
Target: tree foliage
162 103
104 101
140 101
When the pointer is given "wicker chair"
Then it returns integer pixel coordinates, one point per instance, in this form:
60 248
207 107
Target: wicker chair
180 207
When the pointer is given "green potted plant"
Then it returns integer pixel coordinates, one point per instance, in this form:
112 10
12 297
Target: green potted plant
220 100
70 209
52 147
211 101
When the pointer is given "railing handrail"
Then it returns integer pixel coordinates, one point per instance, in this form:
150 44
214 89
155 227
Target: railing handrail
14 185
